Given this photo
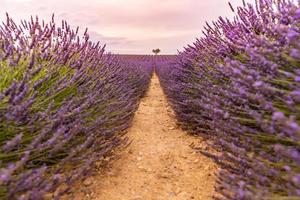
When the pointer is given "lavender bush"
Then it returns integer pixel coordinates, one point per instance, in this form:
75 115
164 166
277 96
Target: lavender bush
64 103
239 86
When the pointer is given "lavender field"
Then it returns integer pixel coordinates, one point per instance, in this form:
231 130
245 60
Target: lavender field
218 120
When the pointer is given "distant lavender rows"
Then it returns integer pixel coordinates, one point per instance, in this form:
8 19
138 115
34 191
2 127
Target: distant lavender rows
64 103
239 86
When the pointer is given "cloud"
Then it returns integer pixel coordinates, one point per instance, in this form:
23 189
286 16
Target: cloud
107 39
19 1
128 25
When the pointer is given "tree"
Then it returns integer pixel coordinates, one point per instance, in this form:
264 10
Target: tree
156 51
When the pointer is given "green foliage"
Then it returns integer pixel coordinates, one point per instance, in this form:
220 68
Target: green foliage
156 51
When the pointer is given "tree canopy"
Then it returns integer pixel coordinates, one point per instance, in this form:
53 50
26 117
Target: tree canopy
156 51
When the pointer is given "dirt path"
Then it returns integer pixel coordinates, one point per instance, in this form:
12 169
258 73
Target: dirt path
159 164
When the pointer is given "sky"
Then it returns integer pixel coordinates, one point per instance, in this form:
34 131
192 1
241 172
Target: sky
128 26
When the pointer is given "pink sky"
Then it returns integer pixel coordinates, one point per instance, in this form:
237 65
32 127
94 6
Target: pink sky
129 26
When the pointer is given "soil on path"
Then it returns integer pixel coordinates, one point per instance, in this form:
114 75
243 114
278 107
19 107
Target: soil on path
159 164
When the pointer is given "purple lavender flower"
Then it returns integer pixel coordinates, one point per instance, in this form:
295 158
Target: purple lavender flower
66 105
238 86
295 53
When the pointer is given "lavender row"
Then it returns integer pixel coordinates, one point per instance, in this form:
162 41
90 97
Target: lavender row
239 86
64 103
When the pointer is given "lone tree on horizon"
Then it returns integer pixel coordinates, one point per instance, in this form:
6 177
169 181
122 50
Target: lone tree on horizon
156 51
